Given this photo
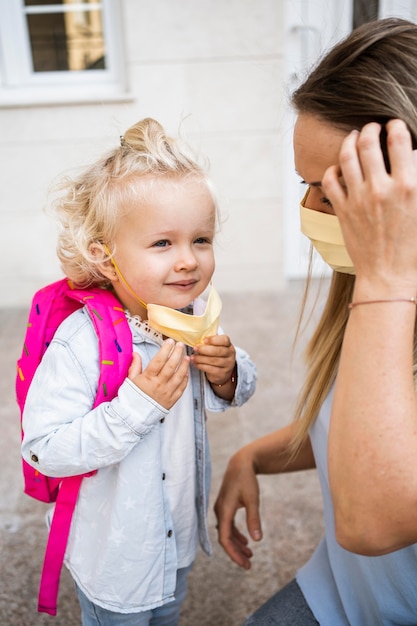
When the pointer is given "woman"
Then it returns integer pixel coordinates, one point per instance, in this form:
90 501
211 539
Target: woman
356 420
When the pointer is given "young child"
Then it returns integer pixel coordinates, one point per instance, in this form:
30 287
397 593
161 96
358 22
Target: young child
140 222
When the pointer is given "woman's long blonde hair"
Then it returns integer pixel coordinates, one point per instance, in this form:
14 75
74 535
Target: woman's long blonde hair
369 76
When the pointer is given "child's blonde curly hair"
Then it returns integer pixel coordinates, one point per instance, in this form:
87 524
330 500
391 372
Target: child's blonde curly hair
90 206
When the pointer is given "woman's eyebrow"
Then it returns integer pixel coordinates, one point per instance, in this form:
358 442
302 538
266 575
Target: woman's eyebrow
316 183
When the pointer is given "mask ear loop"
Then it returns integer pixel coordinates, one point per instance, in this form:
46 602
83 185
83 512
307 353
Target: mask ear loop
304 199
122 278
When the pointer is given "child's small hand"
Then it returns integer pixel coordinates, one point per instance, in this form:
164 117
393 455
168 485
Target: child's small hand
216 357
166 376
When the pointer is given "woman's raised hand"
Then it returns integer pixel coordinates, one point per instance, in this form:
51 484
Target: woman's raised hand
378 209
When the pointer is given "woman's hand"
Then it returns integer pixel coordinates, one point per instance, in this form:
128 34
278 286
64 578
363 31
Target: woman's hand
271 454
239 489
378 210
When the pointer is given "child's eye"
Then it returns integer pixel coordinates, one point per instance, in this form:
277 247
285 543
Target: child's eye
161 244
202 240
326 201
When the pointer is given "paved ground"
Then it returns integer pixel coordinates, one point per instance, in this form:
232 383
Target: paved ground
220 594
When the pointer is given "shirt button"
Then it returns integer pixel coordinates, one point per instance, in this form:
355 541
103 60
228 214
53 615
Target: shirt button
162 420
163 476
34 458
170 533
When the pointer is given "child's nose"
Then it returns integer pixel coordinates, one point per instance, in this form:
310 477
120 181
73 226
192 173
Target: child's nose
186 260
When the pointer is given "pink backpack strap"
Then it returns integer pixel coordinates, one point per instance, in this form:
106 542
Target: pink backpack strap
57 543
49 308
115 354
115 339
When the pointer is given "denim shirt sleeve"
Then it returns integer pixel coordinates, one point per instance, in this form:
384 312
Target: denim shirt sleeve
63 436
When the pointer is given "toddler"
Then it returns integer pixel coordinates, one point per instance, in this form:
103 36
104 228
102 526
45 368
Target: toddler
140 222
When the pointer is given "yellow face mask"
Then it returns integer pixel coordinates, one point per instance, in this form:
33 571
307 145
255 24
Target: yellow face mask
190 329
326 235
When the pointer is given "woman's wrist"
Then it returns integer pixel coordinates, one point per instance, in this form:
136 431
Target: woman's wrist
366 290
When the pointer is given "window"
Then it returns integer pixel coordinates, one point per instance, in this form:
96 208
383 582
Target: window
364 11
62 39
60 51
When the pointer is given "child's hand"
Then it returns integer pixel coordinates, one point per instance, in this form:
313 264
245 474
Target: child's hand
216 357
166 376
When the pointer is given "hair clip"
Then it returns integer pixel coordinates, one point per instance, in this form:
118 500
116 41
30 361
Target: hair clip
122 141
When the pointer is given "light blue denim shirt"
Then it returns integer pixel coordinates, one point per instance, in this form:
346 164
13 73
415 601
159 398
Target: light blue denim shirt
121 551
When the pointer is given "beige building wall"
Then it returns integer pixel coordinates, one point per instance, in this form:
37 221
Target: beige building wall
212 69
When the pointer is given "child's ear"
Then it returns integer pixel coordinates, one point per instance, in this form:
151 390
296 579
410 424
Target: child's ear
106 266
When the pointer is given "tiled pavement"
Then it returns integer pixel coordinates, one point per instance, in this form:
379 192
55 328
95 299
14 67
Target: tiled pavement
220 594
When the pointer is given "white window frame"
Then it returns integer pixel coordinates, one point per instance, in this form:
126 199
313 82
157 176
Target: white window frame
20 85
406 9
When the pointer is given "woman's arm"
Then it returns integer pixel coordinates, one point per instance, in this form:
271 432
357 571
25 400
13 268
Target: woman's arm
269 455
373 429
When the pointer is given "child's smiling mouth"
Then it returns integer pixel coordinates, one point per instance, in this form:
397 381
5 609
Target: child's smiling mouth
183 284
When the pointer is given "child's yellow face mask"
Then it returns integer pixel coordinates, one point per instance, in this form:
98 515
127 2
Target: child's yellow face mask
326 235
190 329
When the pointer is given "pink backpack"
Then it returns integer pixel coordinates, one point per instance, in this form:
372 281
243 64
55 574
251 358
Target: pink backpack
50 306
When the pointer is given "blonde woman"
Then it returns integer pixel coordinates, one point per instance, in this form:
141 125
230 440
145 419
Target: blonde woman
356 422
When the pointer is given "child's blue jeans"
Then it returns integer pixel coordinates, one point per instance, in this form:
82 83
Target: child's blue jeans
166 615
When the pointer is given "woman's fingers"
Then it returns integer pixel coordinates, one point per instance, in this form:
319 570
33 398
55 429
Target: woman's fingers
400 151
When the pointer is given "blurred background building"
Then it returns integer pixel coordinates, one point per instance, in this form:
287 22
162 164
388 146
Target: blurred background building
75 75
